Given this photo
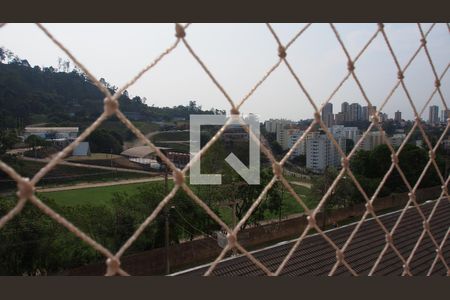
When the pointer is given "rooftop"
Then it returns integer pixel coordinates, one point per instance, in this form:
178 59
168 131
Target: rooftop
315 256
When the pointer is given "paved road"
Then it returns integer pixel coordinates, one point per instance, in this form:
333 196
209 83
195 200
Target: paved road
46 160
100 184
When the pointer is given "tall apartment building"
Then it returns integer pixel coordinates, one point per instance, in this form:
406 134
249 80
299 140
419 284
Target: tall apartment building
365 113
339 118
292 139
433 118
445 114
284 134
372 139
383 117
398 116
345 109
355 112
327 115
321 151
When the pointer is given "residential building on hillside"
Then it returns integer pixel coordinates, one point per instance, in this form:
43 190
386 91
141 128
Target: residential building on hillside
398 116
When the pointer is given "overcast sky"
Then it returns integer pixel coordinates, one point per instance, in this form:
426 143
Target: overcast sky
239 55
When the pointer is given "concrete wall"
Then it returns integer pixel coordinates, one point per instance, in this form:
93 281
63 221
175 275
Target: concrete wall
204 250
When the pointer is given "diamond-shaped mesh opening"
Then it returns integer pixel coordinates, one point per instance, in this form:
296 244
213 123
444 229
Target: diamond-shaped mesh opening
393 256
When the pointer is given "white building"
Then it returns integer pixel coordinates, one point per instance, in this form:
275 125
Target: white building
273 125
351 133
52 133
397 139
321 151
301 148
283 134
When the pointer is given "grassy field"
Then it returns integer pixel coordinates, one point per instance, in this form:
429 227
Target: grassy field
104 195
93 196
66 175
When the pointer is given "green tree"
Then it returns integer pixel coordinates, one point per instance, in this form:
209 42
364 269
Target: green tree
102 140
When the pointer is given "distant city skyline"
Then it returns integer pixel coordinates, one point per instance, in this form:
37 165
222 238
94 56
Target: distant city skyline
238 55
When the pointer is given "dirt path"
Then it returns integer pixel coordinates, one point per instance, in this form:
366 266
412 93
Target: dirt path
46 160
100 184
305 184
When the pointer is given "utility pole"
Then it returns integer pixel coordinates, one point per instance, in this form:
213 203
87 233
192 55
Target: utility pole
281 202
234 222
166 222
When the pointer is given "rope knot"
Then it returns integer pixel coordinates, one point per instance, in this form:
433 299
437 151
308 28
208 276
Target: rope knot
317 117
439 252
406 269
400 75
25 189
178 177
394 158
412 196
369 207
380 26
423 42
110 106
432 154
311 221
234 111
231 238
350 66
389 238
179 31
345 162
281 52
437 83
277 169
339 256
426 225
113 266
375 118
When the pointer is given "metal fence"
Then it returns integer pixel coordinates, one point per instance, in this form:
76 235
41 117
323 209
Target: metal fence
26 187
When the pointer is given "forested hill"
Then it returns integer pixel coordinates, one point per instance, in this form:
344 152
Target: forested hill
33 95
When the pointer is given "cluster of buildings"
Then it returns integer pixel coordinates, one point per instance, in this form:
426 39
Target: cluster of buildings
433 118
59 137
318 148
350 112
321 152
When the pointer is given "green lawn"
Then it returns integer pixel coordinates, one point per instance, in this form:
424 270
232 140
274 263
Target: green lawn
104 195
289 205
93 196
171 136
